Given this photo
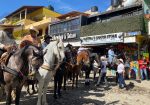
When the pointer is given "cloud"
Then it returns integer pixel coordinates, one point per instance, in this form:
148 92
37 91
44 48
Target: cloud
61 6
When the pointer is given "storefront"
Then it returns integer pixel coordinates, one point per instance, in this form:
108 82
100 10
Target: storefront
123 42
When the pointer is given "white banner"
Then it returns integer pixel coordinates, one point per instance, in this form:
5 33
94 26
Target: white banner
102 39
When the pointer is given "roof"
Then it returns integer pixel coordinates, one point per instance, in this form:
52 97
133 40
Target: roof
116 10
29 8
72 14
61 21
2 26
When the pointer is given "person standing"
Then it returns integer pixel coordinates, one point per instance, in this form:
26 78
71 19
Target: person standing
47 40
143 66
31 39
121 71
111 55
127 68
103 71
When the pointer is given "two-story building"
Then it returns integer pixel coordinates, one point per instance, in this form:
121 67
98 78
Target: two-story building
68 27
121 27
38 16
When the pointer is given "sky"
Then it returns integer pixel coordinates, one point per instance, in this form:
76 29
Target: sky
61 6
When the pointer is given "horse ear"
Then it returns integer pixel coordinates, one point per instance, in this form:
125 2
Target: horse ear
59 40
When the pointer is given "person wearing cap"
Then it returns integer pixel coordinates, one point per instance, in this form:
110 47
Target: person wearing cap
47 40
103 71
121 71
6 40
31 39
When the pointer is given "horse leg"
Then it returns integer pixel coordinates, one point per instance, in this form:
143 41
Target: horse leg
44 102
65 78
55 86
73 80
33 88
28 88
18 92
60 84
41 84
36 86
76 80
94 74
87 76
8 90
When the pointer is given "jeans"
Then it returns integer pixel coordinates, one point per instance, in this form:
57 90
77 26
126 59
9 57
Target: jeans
143 71
100 78
121 80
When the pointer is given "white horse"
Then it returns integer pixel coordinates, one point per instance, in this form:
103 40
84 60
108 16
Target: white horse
52 59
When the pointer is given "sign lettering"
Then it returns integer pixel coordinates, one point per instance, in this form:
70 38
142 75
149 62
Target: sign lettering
106 38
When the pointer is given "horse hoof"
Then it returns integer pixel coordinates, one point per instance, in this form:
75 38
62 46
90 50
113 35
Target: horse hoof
55 97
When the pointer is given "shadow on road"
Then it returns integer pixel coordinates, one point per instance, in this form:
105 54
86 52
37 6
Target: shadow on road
83 95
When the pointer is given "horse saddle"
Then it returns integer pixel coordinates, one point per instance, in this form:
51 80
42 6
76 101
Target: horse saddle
5 57
4 61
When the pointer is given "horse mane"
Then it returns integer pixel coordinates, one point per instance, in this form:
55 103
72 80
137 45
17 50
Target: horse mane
50 44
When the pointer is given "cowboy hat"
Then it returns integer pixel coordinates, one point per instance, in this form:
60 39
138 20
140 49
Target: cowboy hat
34 29
121 60
47 36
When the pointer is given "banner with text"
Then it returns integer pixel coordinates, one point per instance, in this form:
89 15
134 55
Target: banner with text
101 39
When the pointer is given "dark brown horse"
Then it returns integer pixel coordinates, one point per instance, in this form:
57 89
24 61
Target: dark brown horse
16 71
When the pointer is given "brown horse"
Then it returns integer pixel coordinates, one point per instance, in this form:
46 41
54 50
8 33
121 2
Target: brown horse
83 62
16 71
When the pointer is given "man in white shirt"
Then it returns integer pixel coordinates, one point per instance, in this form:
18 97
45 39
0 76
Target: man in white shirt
121 71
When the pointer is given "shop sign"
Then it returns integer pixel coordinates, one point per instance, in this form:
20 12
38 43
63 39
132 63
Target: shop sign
100 39
131 34
65 36
130 39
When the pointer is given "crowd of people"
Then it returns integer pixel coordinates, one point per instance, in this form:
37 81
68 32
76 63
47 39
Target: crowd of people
122 66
